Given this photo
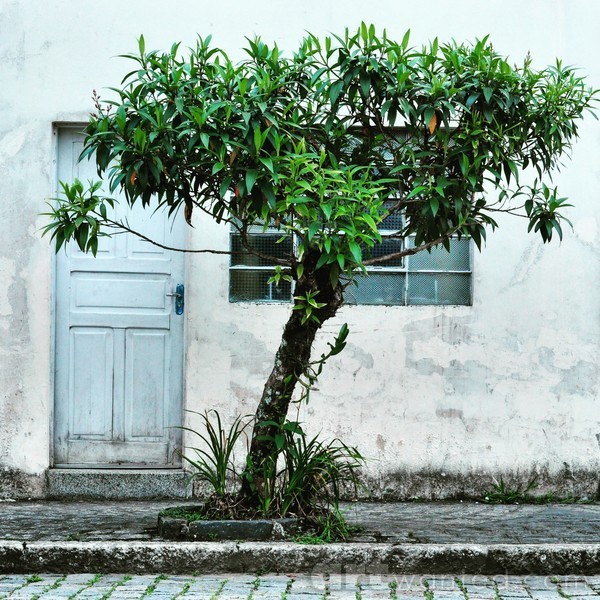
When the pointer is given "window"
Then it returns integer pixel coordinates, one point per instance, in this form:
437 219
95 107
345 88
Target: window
435 278
249 274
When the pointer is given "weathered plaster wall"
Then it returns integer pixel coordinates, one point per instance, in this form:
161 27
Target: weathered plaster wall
507 386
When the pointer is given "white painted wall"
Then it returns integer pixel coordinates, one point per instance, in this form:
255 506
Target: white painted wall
508 385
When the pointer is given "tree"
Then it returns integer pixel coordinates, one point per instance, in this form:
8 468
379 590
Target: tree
324 145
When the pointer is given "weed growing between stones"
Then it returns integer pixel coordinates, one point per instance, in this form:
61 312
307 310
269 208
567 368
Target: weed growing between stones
216 595
49 588
428 593
462 588
150 589
503 493
117 584
93 581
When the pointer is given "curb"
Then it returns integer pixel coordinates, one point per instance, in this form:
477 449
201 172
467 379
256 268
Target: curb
283 557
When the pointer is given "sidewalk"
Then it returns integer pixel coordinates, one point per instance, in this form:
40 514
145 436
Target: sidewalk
427 537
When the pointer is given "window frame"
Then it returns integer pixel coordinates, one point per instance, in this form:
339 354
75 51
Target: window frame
403 270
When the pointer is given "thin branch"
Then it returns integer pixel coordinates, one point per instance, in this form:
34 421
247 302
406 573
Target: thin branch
125 229
410 251
274 260
510 211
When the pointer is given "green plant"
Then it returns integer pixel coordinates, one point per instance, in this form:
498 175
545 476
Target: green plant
255 586
184 590
57 583
95 579
288 589
302 477
214 462
570 499
501 493
217 594
393 585
312 472
326 528
497 595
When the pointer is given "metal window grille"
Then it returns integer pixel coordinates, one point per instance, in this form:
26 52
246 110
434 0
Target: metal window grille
437 277
249 274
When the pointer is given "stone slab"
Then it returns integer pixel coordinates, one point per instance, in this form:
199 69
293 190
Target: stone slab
116 484
175 528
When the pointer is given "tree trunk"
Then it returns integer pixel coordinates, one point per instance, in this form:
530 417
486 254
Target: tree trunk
291 360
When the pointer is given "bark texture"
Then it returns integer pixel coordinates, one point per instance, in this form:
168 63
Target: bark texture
291 360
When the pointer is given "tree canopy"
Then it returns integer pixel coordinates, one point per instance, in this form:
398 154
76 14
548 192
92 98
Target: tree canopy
317 142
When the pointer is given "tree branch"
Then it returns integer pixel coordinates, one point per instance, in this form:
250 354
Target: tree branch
126 229
410 251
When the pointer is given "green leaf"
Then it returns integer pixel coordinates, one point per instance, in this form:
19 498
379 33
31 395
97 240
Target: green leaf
405 40
224 187
334 275
323 260
266 187
313 228
268 163
415 191
257 139
356 252
251 176
335 90
365 84
279 441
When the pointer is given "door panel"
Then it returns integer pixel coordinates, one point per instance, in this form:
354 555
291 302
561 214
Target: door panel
119 343
90 390
146 384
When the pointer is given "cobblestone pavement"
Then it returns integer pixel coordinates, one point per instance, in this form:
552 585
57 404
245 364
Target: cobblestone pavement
297 587
427 522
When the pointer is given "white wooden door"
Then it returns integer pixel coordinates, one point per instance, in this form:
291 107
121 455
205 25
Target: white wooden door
119 343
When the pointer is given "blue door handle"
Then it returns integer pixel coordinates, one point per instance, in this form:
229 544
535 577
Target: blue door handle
179 295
